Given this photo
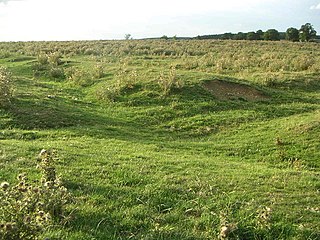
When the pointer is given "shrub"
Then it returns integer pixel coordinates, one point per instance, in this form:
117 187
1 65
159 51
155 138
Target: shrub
56 72
302 63
48 63
5 86
270 79
106 93
84 77
4 54
43 59
79 77
98 71
168 81
126 79
29 209
54 59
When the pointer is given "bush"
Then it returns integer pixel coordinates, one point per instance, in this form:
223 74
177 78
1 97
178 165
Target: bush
5 86
79 77
168 81
54 59
49 63
98 71
43 59
126 79
107 93
84 77
29 209
56 72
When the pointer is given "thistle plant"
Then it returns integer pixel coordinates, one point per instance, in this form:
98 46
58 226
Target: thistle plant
264 217
55 193
225 227
5 86
168 81
27 209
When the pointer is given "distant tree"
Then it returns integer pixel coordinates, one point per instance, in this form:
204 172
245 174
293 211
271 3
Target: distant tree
165 37
259 35
271 35
127 36
292 34
282 35
174 37
226 36
252 36
240 36
307 33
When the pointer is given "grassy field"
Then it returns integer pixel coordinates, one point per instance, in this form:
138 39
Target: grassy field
170 139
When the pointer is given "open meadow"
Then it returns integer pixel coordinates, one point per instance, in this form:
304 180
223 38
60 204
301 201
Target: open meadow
160 139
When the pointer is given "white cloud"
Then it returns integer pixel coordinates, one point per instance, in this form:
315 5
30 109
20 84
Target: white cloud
315 7
6 1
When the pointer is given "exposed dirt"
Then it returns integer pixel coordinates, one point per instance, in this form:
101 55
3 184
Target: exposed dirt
224 90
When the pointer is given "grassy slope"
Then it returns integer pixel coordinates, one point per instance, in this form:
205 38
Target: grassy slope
148 167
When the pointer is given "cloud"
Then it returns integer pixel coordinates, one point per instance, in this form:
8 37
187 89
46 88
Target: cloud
5 1
315 7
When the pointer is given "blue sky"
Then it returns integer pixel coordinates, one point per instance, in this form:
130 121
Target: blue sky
27 20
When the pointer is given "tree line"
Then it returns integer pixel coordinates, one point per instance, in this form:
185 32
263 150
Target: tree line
306 33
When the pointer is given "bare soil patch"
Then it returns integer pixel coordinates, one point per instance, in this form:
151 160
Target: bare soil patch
224 90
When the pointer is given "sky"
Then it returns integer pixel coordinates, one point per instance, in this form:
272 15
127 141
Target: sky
37 20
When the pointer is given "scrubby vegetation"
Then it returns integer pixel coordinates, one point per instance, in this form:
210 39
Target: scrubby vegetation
161 139
28 209
5 86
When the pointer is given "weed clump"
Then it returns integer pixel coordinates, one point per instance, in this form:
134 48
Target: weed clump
5 86
83 77
226 228
79 77
106 93
50 63
168 81
98 71
124 80
29 208
53 59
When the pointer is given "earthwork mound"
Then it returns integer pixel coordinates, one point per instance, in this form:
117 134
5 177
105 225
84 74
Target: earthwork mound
224 90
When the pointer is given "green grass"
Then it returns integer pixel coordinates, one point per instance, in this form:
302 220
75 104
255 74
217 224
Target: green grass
148 166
